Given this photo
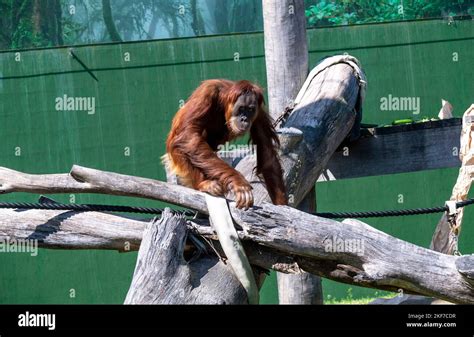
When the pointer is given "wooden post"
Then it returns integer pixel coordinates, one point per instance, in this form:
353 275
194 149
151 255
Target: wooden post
286 58
301 288
286 51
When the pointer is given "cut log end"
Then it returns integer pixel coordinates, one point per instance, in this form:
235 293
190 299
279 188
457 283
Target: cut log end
163 276
465 266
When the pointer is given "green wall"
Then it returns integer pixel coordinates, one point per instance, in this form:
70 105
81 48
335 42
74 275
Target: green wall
136 100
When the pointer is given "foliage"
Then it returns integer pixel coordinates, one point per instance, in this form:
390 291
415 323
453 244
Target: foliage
27 24
345 12
349 299
24 35
83 21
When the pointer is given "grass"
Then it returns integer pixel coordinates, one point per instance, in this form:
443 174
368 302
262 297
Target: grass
349 299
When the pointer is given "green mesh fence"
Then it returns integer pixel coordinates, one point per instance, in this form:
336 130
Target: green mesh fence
141 85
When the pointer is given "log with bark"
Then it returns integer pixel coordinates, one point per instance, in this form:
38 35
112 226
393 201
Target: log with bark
277 237
286 60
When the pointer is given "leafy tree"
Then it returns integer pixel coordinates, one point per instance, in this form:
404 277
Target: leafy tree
344 12
40 23
30 23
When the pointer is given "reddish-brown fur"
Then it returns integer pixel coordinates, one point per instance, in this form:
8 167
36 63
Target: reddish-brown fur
201 125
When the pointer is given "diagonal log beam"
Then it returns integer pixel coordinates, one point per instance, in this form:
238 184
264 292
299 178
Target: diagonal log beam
322 119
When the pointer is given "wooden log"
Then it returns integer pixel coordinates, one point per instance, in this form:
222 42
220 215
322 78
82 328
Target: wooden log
301 287
162 276
88 180
286 51
387 150
231 281
283 238
286 59
398 149
297 242
321 120
465 266
72 230
408 300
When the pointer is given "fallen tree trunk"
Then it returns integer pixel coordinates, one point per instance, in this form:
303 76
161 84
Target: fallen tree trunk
278 237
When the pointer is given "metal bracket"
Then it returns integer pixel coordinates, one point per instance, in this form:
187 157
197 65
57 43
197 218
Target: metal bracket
452 209
452 213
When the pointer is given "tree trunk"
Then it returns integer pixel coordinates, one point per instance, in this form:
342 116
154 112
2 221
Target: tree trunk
221 17
445 237
46 19
301 288
197 23
286 58
286 52
153 25
162 276
36 17
109 21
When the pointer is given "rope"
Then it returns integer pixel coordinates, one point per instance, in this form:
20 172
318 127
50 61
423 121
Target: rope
50 205
284 115
89 208
381 214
